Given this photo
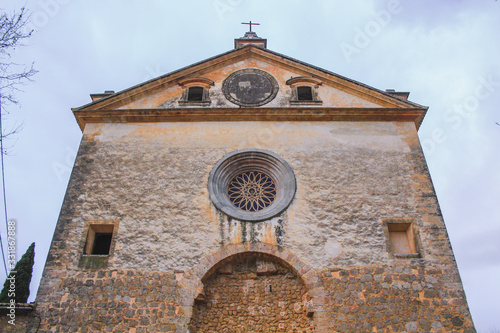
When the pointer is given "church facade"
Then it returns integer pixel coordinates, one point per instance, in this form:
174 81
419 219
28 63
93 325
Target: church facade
251 192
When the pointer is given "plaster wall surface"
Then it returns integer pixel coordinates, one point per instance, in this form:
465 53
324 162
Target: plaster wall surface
153 178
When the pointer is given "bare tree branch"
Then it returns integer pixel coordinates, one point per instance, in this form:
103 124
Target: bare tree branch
12 30
13 34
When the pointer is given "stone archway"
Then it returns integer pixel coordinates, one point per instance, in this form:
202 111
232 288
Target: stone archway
252 288
252 292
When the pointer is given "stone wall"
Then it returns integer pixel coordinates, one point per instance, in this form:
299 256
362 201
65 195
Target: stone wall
152 179
400 298
250 294
111 301
235 295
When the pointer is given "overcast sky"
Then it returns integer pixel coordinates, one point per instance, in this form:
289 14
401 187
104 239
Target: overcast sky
446 53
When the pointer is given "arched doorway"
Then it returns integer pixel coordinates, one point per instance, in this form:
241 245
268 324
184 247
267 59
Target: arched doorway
252 292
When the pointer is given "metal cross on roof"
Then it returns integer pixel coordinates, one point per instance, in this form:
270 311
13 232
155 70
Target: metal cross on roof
250 23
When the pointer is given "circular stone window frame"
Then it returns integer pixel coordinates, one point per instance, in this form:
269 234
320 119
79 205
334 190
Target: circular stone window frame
240 161
228 80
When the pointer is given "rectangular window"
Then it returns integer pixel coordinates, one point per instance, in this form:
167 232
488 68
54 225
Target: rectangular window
401 238
99 239
304 93
195 94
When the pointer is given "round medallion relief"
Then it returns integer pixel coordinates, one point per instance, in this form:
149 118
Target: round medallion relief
251 185
250 87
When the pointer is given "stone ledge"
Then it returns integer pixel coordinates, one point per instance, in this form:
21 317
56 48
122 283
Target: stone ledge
406 255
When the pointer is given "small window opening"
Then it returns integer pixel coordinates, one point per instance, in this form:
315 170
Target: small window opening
195 94
99 239
402 239
102 243
304 94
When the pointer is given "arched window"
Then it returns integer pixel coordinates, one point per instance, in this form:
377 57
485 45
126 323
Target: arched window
195 91
304 90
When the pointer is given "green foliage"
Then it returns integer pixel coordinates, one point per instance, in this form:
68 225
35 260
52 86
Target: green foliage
21 278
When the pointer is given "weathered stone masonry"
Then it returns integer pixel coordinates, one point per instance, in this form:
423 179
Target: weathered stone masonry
153 237
326 263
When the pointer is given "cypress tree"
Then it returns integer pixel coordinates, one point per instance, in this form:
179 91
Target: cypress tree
22 275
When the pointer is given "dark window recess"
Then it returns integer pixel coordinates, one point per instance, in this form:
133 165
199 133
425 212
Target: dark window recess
304 94
102 243
195 94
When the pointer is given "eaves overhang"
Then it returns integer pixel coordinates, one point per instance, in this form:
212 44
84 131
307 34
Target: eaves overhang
414 115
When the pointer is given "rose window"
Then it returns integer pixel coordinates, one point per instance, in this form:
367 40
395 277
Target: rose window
251 191
251 185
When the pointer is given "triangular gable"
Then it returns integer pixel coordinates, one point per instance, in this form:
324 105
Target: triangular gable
156 99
